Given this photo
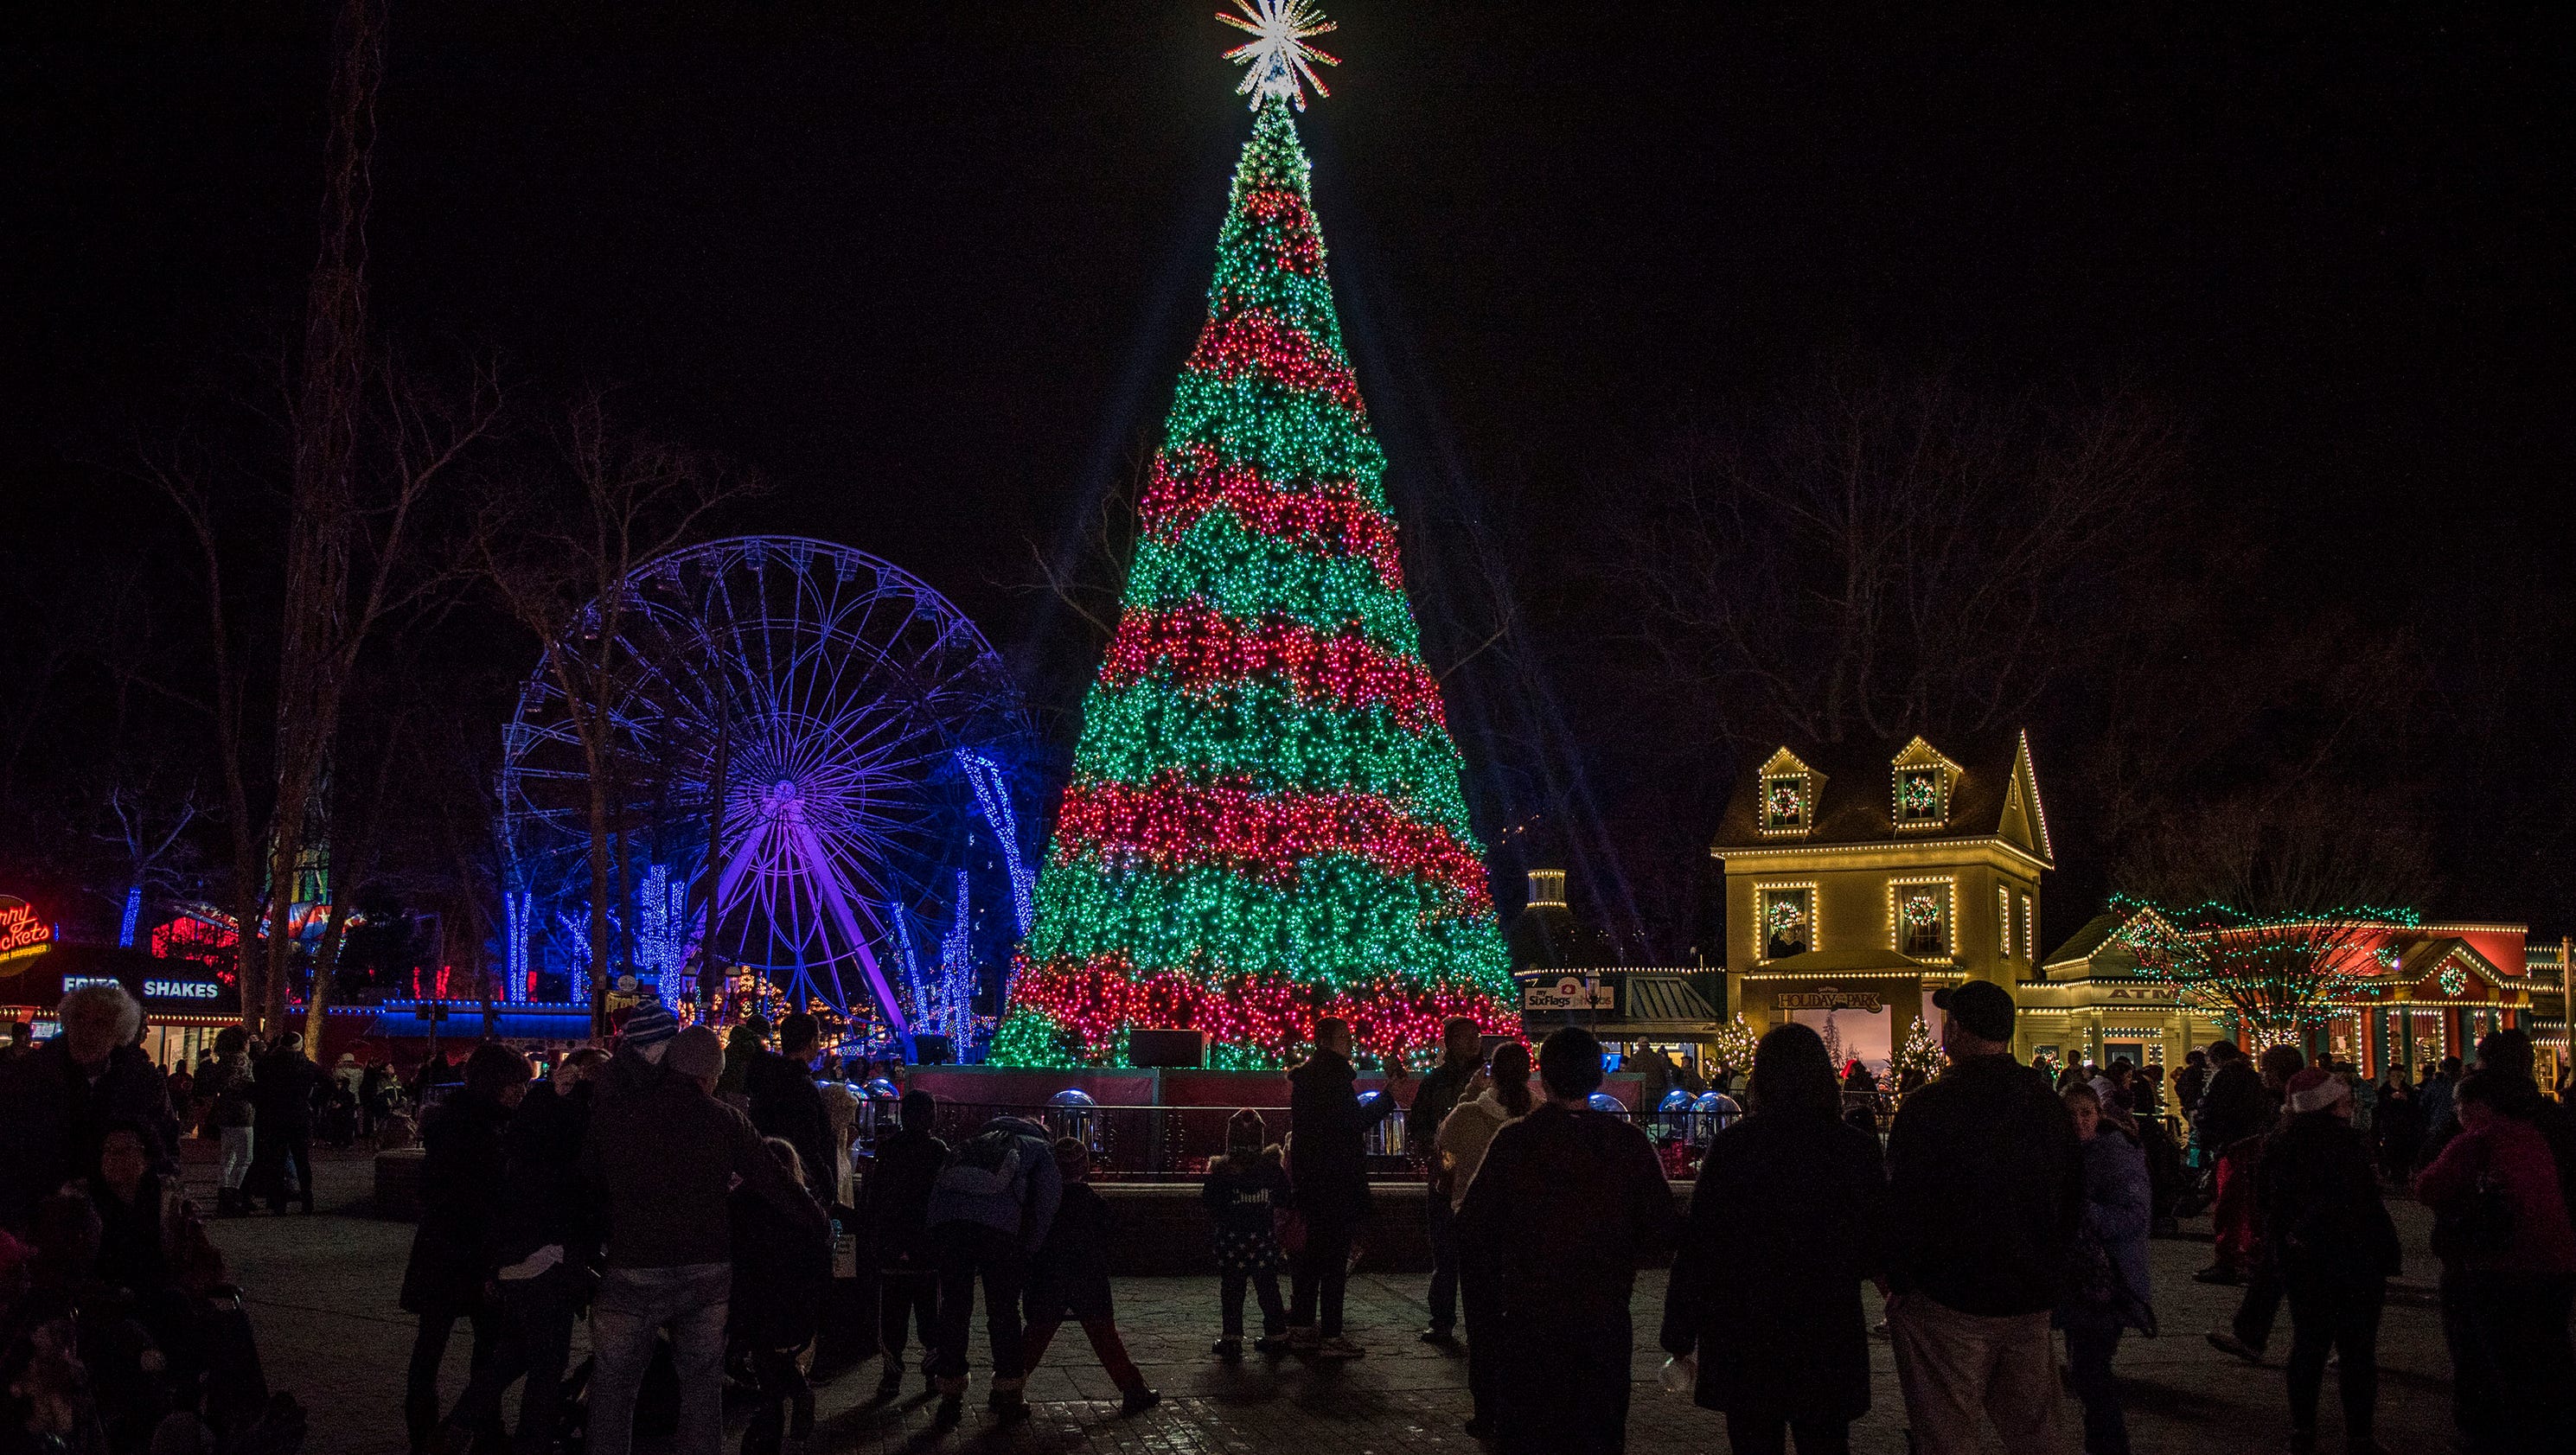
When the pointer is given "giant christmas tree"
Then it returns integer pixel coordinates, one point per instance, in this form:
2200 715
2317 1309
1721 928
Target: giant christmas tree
1265 822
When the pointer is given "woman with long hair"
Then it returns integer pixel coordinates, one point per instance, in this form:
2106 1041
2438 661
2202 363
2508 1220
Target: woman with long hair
1496 1097
1788 1220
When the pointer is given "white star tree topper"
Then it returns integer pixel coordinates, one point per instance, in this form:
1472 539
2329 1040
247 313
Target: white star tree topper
1277 55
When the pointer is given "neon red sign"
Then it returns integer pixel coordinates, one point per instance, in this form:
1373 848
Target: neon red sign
21 932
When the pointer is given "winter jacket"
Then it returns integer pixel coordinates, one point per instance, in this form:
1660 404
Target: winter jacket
455 1247
782 1266
897 1197
1434 1097
157 1242
2232 1108
544 1200
2106 1282
1987 1179
283 1091
1328 1160
1464 1138
1788 1219
664 1156
53 1115
2513 1158
2317 1203
1069 1275
1243 1198
1566 1205
786 1103
1020 1197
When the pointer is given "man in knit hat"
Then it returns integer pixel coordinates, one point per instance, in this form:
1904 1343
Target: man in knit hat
665 1153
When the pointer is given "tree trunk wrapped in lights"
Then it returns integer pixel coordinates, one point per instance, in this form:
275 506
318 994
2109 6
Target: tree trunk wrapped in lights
2274 976
1265 822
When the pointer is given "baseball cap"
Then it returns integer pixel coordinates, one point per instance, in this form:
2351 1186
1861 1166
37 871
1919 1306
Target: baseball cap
1982 1007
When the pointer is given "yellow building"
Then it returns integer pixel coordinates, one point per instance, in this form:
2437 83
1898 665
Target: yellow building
1859 880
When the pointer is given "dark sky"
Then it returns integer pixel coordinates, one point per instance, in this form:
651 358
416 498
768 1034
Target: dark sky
933 267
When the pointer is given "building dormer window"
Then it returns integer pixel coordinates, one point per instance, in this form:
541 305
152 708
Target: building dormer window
1784 802
1785 805
1921 783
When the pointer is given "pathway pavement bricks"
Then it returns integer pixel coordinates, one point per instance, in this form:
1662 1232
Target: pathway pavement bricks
322 1292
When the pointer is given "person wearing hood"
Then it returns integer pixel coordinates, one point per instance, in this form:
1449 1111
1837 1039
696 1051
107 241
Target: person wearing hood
990 1208
1244 1193
2107 1290
2330 1240
1499 1098
2508 1256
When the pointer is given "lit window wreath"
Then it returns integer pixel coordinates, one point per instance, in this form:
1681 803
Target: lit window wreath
1788 805
1922 912
1918 795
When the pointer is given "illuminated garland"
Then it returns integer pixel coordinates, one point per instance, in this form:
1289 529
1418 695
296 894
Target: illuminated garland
1786 915
1330 518
1089 1006
2274 974
1255 734
1922 912
1192 647
1265 822
1173 824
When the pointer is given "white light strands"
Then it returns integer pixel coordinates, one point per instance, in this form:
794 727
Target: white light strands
518 907
1277 57
993 798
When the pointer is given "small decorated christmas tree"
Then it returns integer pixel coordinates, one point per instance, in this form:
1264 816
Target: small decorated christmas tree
1265 822
1733 1043
1919 1057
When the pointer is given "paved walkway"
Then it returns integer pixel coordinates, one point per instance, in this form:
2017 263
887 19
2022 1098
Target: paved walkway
322 1291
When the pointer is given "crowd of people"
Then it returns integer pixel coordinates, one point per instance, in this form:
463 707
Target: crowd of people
698 1200
120 1329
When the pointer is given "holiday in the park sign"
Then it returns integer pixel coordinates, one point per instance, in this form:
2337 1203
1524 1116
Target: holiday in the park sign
1265 822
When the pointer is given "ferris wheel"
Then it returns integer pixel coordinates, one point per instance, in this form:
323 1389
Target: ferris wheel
871 754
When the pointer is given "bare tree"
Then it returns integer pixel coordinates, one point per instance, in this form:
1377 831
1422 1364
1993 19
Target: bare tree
145 829
556 539
1886 557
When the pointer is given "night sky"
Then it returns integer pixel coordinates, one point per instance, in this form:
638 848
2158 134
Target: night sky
934 272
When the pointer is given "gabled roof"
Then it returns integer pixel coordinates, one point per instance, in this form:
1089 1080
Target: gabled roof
1994 793
2423 961
2097 932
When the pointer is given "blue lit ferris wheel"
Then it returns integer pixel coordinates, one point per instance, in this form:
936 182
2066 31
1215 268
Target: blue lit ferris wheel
872 755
